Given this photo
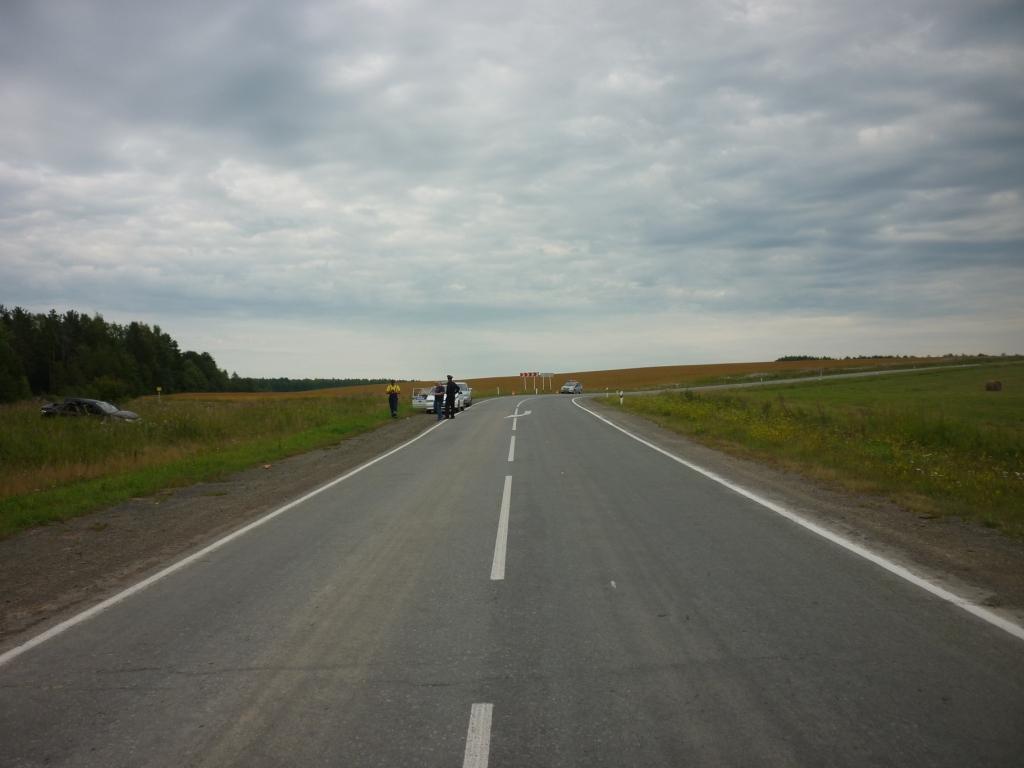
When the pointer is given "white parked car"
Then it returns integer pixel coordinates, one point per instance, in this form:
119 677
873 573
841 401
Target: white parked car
420 401
571 387
423 398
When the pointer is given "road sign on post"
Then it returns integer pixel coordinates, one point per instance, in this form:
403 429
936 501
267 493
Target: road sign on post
532 376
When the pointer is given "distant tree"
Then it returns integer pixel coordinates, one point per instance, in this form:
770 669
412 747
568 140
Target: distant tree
192 378
13 383
794 358
76 354
216 379
284 384
72 353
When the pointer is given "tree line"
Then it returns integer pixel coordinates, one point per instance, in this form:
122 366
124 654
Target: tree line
795 358
284 384
70 353
977 356
73 353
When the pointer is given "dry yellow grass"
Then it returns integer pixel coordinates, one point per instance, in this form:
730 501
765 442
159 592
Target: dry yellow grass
657 377
654 377
54 475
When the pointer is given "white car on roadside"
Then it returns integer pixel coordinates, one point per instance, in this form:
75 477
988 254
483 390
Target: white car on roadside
423 398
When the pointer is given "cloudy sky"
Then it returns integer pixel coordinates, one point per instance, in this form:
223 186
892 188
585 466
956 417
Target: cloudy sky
405 188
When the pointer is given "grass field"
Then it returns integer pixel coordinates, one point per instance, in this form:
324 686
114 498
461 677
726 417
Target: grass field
653 377
679 376
934 440
55 469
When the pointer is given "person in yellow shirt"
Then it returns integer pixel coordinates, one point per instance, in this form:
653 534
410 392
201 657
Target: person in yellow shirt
393 391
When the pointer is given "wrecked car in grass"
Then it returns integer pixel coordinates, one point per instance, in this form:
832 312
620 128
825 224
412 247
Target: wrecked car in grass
84 406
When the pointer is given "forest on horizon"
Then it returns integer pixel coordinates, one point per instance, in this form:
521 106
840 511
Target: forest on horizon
71 353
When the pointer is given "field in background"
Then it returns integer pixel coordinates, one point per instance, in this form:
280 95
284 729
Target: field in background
935 441
57 469
629 379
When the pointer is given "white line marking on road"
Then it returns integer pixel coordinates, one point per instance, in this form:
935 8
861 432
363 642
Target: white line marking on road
904 573
478 736
110 601
512 449
501 541
515 415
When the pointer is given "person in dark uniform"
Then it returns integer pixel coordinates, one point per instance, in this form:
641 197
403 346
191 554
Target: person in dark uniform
439 400
451 389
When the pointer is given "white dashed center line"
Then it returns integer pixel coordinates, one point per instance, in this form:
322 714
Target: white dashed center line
478 736
500 543
512 449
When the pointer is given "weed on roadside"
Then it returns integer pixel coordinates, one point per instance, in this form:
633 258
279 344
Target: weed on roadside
57 468
931 452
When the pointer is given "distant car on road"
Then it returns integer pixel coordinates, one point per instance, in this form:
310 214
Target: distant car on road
571 387
467 394
84 406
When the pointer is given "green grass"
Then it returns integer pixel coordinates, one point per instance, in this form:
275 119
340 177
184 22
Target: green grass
55 469
935 440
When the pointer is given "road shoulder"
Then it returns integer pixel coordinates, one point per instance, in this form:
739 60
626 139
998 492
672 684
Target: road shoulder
977 563
52 572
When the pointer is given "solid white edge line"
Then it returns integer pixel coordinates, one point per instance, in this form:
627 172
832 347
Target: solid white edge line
501 540
512 449
110 601
961 602
478 736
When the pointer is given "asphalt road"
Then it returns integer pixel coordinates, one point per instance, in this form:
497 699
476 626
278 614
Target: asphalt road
637 614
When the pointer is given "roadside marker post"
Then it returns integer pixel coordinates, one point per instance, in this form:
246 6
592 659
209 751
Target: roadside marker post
525 376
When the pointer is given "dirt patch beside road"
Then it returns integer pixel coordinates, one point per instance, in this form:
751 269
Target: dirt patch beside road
51 572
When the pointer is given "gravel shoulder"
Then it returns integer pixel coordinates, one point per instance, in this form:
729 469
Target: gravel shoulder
50 573
977 563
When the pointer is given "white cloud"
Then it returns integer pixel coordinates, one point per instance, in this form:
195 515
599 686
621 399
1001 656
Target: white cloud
363 71
351 174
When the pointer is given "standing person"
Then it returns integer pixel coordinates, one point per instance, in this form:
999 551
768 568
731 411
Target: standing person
439 400
450 391
393 391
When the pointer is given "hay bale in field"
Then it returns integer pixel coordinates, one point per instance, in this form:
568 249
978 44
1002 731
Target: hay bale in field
993 386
